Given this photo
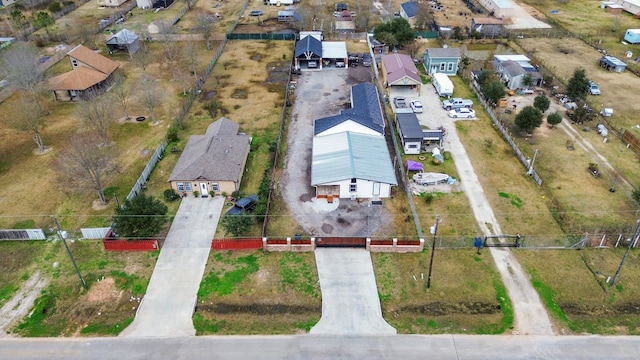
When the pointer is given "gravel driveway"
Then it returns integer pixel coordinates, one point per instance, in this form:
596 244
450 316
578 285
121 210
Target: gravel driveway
318 95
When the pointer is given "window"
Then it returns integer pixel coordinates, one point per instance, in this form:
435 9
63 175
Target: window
180 186
74 63
450 67
413 146
215 187
187 186
353 188
442 66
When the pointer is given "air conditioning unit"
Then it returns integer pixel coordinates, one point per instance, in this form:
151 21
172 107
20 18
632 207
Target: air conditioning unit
353 196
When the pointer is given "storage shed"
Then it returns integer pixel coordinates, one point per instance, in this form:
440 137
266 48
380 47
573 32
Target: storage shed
612 64
125 40
632 36
410 132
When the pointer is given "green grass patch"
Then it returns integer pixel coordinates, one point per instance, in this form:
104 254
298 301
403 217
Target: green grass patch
548 298
100 328
34 325
295 273
225 284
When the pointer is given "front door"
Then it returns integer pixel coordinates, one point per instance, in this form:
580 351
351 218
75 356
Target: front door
203 189
376 188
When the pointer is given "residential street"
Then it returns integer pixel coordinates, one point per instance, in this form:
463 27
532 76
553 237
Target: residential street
304 347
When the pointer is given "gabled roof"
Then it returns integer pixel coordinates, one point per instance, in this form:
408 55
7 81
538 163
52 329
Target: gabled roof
613 61
450 52
93 59
410 8
365 110
123 37
399 66
348 155
80 78
334 50
409 125
512 68
308 46
219 155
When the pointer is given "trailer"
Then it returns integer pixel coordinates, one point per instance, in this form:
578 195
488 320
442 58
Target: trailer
442 84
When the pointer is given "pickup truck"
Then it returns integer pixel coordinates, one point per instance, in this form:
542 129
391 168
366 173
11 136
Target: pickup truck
457 103
400 102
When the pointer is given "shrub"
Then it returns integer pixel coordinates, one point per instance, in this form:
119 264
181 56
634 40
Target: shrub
171 195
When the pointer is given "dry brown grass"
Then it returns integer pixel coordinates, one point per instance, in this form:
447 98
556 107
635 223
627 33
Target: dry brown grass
39 196
462 297
575 281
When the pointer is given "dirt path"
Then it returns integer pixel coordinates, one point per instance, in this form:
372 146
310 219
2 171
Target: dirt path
530 315
22 302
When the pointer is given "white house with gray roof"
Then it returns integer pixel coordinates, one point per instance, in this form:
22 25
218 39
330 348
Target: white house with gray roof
212 162
351 165
350 158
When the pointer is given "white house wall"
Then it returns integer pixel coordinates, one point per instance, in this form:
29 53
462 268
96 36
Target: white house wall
364 189
351 126
409 150
144 4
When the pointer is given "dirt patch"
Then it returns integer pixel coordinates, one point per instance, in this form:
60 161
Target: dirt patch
103 291
22 302
440 308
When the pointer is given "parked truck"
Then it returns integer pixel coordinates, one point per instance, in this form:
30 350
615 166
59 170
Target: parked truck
457 103
401 105
442 83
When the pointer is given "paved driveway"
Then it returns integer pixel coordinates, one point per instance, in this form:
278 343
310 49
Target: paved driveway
350 304
168 305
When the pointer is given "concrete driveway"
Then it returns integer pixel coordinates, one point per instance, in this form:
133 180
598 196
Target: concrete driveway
168 305
350 304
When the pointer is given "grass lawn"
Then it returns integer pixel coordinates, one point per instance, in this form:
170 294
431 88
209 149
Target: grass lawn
572 284
19 260
256 292
466 294
113 279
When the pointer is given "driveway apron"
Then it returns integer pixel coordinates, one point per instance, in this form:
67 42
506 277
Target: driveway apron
350 304
169 303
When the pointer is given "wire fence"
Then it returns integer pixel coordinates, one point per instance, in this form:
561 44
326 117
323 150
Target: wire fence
142 180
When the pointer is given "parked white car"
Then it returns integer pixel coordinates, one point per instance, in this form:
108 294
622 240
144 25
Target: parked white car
416 106
593 88
462 113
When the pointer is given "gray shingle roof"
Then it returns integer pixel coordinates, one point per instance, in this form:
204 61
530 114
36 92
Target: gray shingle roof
365 110
512 68
123 37
443 52
410 8
219 155
348 155
309 46
409 126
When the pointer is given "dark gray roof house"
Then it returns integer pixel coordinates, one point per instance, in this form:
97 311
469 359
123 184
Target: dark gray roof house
216 159
365 110
308 48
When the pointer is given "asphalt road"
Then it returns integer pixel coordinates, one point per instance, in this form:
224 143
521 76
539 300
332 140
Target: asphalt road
441 347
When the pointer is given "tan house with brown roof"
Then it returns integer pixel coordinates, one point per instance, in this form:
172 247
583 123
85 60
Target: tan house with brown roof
400 70
212 162
91 76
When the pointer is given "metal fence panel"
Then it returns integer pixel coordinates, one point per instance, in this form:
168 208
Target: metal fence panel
95 233
22 234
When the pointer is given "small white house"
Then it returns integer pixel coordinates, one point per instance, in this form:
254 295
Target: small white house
632 36
111 3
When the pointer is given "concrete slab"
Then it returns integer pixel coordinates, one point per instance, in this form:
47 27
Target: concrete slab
350 304
168 305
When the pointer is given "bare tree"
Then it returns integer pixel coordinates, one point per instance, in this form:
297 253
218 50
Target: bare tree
143 57
24 119
121 92
204 26
151 96
190 56
85 164
412 48
96 113
172 55
20 66
184 78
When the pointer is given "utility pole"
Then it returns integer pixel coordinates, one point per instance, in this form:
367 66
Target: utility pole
434 231
530 170
632 240
63 236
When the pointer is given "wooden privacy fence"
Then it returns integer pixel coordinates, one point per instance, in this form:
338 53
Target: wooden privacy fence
22 234
157 155
631 140
262 36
